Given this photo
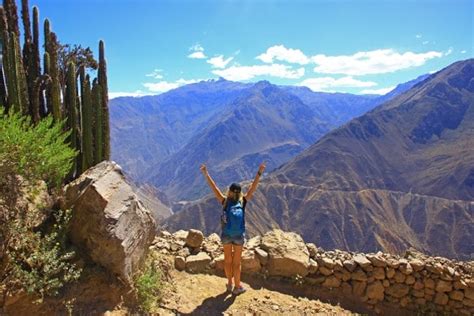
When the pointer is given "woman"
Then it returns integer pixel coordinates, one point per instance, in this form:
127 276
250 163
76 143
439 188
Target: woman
233 228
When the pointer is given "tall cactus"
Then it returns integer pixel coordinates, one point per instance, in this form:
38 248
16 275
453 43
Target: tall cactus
12 17
86 120
47 34
70 101
40 84
13 66
98 117
28 52
4 52
16 72
19 95
53 94
36 63
102 77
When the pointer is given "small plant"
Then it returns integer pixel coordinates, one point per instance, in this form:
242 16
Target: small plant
149 284
41 264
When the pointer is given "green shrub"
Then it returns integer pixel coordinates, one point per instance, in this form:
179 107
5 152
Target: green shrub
40 263
35 152
149 284
33 239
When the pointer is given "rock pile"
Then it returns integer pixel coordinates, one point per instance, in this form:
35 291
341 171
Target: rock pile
414 282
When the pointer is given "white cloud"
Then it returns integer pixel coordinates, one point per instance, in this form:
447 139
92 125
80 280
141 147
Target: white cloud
378 91
219 61
197 55
449 51
137 93
184 81
281 53
328 83
425 42
372 62
238 73
155 74
463 51
197 52
418 35
163 86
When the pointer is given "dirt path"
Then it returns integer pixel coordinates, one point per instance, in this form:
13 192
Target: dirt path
200 294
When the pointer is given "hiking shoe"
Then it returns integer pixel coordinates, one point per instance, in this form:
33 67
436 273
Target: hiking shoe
239 290
229 287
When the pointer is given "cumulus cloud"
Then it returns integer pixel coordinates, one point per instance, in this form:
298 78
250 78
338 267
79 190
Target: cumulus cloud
137 93
281 53
197 52
197 55
418 35
372 62
463 51
163 86
448 52
155 74
329 83
425 42
237 73
219 61
380 91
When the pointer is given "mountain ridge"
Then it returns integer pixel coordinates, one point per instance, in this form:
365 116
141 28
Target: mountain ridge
353 173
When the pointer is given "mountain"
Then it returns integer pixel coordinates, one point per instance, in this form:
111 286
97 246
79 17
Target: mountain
400 175
148 129
149 133
264 123
338 108
420 141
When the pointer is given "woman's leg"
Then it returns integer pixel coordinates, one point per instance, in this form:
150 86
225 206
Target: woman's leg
228 262
236 264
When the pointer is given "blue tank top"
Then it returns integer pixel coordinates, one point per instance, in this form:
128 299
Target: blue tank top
235 214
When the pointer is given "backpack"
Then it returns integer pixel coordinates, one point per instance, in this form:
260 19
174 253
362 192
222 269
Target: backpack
233 222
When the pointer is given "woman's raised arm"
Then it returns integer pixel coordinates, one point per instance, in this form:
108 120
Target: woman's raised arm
254 184
219 196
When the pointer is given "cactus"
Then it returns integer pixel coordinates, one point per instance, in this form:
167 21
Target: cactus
40 84
70 102
87 122
54 91
12 17
28 54
98 127
102 77
7 64
4 65
19 99
36 63
47 34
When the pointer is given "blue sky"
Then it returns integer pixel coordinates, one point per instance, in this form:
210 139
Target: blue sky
344 46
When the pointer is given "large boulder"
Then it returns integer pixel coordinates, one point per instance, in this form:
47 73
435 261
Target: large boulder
287 253
109 223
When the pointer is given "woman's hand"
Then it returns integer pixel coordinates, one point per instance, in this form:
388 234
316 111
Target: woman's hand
203 169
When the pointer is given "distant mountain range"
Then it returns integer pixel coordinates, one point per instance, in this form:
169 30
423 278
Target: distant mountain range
230 126
400 175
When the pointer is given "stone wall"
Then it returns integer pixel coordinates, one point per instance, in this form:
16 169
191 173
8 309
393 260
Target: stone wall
377 282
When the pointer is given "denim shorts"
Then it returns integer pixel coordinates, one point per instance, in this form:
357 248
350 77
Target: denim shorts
236 240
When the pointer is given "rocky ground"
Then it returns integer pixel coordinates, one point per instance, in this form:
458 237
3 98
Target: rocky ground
202 294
